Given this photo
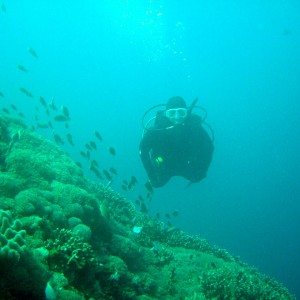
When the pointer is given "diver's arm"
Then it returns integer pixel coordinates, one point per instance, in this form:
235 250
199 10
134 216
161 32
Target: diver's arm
200 152
145 148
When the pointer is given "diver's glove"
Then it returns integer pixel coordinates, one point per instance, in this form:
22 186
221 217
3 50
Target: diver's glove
158 161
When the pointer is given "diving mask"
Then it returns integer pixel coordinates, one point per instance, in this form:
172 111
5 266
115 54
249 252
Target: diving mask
176 115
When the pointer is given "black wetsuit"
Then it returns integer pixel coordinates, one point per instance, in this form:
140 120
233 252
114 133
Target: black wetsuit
186 150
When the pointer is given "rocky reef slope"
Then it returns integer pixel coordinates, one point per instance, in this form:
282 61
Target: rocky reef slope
65 237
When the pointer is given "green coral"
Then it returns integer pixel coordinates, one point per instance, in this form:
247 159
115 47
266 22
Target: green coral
238 283
68 251
12 237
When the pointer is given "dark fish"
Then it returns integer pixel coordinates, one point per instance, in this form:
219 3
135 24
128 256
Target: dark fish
24 91
58 139
21 115
137 202
124 187
67 125
88 154
157 216
112 151
47 112
168 216
52 105
113 170
3 7
93 145
43 101
175 213
148 187
82 153
5 110
98 136
87 146
107 175
144 208
50 124
129 186
141 198
133 180
125 182
65 112
78 164
60 118
13 107
22 68
1 94
32 52
70 139
94 163
42 125
96 172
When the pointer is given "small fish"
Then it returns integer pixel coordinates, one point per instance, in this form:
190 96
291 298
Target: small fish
113 171
87 146
32 52
26 92
112 151
98 136
65 112
58 139
141 198
52 105
88 155
133 180
42 125
13 139
43 101
21 115
22 68
144 208
124 187
168 215
148 187
47 112
70 139
1 94
60 118
13 107
107 175
5 110
78 164
175 213
82 153
50 124
3 7
94 163
93 145
96 171
125 181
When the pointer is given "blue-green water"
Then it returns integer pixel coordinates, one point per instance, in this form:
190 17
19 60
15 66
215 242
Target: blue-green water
109 62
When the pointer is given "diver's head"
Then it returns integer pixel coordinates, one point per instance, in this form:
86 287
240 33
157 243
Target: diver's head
176 110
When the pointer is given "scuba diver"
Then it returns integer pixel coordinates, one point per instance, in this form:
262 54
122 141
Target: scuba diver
176 145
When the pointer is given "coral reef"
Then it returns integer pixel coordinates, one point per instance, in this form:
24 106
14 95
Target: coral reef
64 235
12 237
